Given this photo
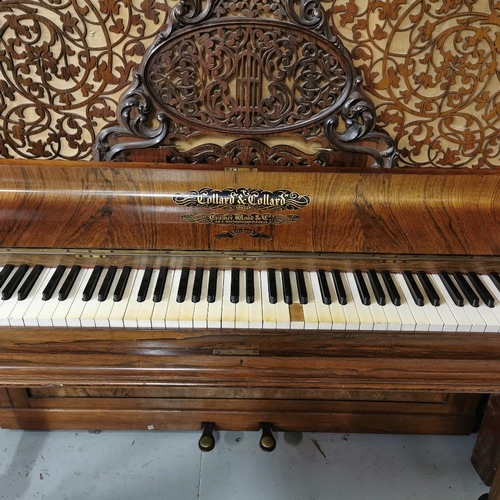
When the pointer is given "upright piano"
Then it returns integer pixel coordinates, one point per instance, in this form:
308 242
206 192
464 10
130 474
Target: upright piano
248 285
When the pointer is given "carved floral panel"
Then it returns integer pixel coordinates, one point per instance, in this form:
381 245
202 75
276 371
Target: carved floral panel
431 67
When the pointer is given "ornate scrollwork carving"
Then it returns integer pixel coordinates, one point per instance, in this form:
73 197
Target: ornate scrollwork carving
358 114
248 152
134 117
217 68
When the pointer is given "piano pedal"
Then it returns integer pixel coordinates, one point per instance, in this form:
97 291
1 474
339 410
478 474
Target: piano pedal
207 439
267 441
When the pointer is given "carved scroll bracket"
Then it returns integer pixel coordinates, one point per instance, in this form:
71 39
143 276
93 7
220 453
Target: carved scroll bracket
134 116
358 115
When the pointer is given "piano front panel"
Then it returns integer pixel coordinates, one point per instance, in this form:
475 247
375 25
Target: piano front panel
242 409
124 206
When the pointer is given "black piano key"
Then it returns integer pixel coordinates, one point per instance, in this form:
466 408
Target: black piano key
323 287
69 282
391 288
250 286
235 286
198 283
103 292
339 287
271 286
429 289
144 287
88 291
414 290
160 284
378 291
301 286
212 285
481 289
495 277
122 283
49 290
466 289
29 283
287 286
364 295
452 289
13 283
182 290
5 273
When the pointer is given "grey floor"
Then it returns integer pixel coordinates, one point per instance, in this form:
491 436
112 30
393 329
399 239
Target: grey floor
167 465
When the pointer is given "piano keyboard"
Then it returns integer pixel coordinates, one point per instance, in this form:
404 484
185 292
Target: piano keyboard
248 299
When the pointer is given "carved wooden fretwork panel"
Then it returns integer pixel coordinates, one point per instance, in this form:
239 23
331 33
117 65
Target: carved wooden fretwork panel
252 72
63 65
292 79
431 67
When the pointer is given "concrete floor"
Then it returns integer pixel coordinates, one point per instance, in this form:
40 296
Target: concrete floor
167 465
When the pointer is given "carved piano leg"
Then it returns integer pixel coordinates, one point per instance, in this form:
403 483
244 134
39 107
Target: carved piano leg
207 439
486 455
267 441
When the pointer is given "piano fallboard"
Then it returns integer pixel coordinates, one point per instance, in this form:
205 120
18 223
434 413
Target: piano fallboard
115 206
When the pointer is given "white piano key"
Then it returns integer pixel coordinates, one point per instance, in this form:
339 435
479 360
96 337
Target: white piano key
78 305
297 316
322 310
448 318
146 308
403 310
489 315
158 318
132 310
255 308
106 306
116 318
268 309
435 320
311 320
343 316
364 314
464 324
380 322
394 321
173 307
59 309
186 311
283 313
62 311
6 306
214 316
200 316
478 323
87 318
490 286
228 308
241 309
17 314
422 322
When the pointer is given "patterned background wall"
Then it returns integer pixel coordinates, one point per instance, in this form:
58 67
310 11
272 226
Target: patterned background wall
431 67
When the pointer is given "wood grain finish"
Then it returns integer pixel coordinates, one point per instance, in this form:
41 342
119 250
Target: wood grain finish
185 408
81 205
354 360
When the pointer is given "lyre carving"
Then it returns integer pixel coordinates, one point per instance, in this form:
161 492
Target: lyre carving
247 69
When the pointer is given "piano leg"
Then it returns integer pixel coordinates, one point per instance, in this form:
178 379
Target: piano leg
486 454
